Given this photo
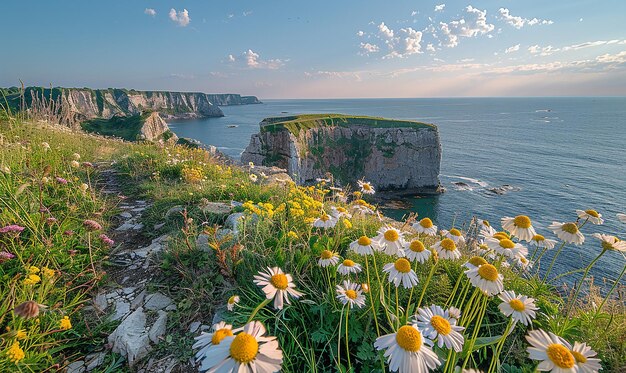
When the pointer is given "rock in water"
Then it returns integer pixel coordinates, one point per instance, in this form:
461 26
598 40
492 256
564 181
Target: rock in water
391 154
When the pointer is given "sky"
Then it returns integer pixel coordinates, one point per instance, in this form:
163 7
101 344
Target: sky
320 49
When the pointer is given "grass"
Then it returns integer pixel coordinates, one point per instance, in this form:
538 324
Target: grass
204 264
127 128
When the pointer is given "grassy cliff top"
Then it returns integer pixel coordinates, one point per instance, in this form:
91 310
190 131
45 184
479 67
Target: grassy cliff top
295 123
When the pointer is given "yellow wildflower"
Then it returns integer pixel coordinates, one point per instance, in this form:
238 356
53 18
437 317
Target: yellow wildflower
65 323
32 279
346 223
292 235
48 273
15 352
21 334
33 270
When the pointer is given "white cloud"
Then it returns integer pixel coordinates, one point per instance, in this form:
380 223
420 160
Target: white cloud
597 43
353 75
385 31
369 48
542 51
360 33
254 61
180 17
512 49
430 48
150 12
413 13
402 43
519 22
247 13
439 8
475 24
231 58
580 20
231 16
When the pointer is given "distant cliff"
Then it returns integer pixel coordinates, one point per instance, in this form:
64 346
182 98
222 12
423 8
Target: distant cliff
391 154
145 126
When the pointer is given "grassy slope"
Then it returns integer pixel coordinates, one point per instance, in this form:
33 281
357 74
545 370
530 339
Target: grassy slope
127 128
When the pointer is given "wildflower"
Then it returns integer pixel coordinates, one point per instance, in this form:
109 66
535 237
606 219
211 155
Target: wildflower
88 165
350 293
520 307
13 228
437 324
407 351
232 301
366 188
5 255
338 212
365 287
324 221
486 278
32 279
346 223
568 232
328 258
585 359
45 180
348 266
48 273
21 334
248 351
455 235
416 251
425 226
68 232
592 215
60 180
506 247
106 240
65 323
205 340
278 285
29 309
83 187
474 262
447 249
251 165
45 146
553 351
400 271
621 217
454 313
542 242
76 156
519 226
391 241
610 242
15 352
293 235
5 169
92 225
74 164
363 246
253 178
51 220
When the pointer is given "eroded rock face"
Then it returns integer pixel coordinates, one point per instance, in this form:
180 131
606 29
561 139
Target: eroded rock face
155 129
402 158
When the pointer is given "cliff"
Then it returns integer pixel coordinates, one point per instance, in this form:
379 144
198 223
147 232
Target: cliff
391 154
146 126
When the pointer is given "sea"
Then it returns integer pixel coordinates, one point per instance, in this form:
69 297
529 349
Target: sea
542 157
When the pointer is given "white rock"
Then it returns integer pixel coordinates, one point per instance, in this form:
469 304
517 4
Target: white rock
76 367
130 338
159 327
194 326
122 308
157 301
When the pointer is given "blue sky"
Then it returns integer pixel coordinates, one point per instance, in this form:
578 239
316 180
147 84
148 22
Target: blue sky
320 49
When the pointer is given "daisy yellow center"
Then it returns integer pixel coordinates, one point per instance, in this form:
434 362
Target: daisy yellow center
232 300
279 281
570 228
560 356
579 357
364 241
483 247
324 217
426 223
455 232
348 263
351 294
391 235
402 265
607 245
522 221
417 246
448 244
517 305
367 187
409 338
507 244
342 210
538 238
326 254
488 272
593 213
244 348
486 223
441 325
477 261
221 334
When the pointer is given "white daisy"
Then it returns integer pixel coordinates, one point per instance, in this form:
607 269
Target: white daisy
400 272
519 226
363 246
425 226
407 351
553 351
325 221
340 212
486 278
253 178
248 351
592 215
542 242
519 307
455 235
474 262
611 242
454 313
351 293
328 258
487 232
390 240
366 188
621 217
416 251
436 324
232 301
348 266
585 359
447 249
277 285
205 340
522 262
506 247
567 232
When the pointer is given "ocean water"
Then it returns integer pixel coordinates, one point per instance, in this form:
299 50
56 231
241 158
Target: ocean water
555 155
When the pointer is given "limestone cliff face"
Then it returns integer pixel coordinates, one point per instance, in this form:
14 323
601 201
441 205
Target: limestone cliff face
154 128
392 158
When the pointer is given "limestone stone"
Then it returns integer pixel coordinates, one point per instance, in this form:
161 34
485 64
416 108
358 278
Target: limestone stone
159 327
130 338
157 301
